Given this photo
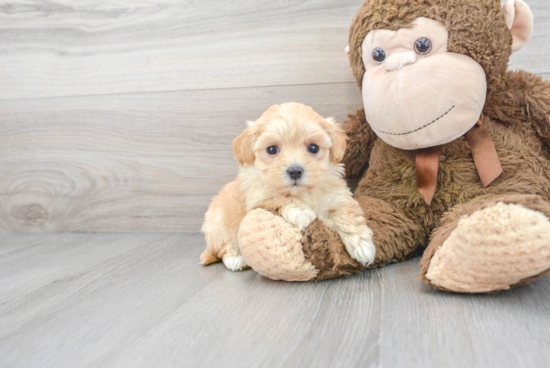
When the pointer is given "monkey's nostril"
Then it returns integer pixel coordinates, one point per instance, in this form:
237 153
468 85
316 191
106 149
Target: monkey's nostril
295 172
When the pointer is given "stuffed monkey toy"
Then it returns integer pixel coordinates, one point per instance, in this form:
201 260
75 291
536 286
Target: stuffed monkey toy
452 152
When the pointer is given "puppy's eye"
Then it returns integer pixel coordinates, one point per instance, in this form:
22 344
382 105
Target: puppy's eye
422 46
379 55
272 150
313 148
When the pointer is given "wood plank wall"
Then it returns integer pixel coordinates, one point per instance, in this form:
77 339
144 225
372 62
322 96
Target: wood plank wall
118 115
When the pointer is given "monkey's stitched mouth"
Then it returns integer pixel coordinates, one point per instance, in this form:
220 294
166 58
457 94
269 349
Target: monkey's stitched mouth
422 127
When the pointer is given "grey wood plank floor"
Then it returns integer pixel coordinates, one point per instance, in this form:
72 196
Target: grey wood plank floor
142 300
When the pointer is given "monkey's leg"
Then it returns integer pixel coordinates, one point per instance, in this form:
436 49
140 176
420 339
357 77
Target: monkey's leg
489 244
396 236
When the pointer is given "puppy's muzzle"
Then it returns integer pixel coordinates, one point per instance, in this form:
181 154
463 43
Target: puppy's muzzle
295 172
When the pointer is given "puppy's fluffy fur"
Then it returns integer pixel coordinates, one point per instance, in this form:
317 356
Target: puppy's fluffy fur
302 175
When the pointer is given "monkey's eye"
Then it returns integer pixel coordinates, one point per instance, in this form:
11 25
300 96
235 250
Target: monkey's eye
272 150
422 46
313 148
379 55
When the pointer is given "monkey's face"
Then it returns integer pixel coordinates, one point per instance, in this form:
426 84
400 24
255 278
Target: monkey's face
416 94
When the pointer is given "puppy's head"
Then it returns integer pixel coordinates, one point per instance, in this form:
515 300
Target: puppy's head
291 146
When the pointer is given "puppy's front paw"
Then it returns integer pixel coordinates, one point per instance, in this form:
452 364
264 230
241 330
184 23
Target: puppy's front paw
361 247
300 216
235 263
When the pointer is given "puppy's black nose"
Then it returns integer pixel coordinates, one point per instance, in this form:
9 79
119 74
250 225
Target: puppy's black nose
295 172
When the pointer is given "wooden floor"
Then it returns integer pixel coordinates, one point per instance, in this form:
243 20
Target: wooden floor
142 300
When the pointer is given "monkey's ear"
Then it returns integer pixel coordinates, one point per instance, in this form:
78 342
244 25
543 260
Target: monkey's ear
243 146
519 19
338 142
346 50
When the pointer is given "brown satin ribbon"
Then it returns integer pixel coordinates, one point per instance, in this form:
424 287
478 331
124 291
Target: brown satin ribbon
483 151
427 164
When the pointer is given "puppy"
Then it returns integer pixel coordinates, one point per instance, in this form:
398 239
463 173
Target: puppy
289 157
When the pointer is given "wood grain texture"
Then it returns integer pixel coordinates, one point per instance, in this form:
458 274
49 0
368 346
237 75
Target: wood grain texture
135 300
66 48
139 162
155 92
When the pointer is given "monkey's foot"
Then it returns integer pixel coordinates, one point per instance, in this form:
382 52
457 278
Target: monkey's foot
273 247
493 249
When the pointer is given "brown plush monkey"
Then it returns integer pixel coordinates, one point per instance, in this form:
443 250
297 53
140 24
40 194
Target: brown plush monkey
452 151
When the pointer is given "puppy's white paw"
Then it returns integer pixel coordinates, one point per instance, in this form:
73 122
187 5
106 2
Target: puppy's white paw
300 216
235 263
361 248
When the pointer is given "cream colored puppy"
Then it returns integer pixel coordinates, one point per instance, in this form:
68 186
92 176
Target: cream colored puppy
289 156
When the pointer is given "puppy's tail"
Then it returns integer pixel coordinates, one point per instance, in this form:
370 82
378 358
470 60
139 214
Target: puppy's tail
209 257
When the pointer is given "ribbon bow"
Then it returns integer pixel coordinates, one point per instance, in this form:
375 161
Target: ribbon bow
485 158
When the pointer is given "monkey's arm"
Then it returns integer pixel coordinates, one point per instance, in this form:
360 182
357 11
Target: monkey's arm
537 102
361 139
525 99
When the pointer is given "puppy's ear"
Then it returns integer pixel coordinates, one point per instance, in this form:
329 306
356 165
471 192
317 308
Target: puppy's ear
243 146
338 142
